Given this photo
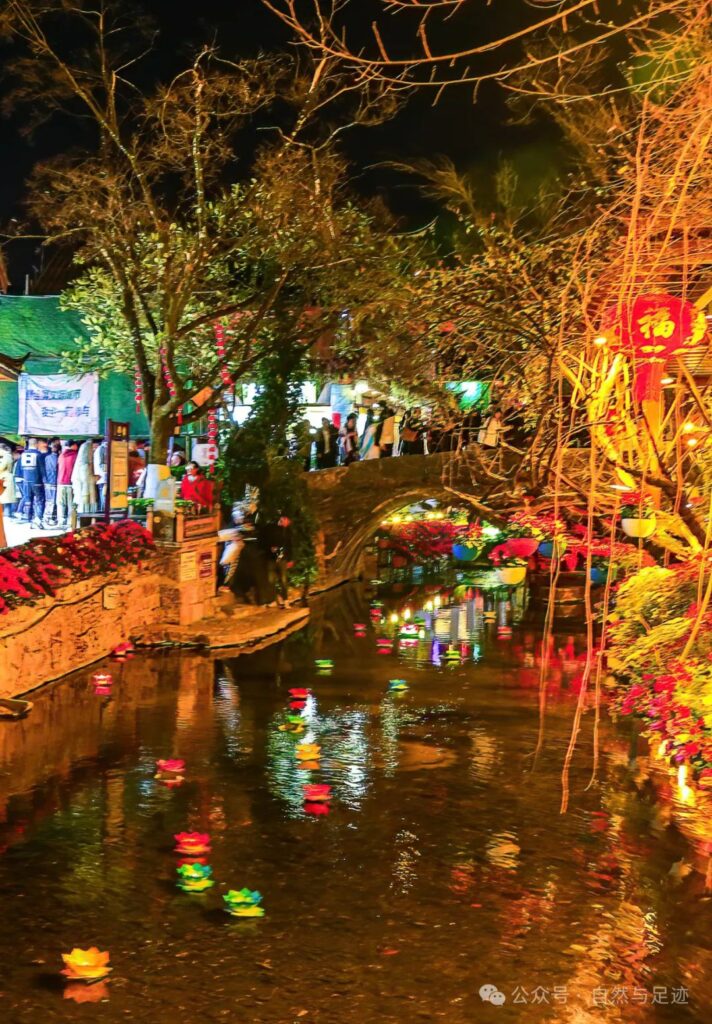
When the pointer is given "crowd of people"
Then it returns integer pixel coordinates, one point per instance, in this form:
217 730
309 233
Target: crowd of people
384 434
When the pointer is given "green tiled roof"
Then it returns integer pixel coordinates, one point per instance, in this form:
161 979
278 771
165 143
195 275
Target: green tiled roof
36 324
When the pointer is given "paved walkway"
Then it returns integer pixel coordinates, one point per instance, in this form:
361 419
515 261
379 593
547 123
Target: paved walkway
234 627
18 532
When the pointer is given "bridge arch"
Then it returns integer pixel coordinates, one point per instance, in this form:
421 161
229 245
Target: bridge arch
350 502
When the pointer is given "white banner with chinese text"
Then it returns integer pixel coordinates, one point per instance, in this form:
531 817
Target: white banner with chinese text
58 403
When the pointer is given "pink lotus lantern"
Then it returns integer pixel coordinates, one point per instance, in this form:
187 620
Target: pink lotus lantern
170 766
192 843
315 793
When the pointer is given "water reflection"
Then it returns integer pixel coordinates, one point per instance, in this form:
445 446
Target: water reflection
439 864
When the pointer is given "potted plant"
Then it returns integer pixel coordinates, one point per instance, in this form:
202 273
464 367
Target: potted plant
637 515
512 571
599 571
529 531
139 506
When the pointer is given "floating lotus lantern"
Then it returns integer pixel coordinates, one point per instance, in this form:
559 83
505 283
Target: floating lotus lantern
452 654
103 679
170 770
243 903
192 843
195 877
397 684
86 965
308 752
317 794
384 643
299 693
324 664
360 628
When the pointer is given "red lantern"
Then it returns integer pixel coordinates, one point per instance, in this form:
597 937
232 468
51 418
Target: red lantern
651 329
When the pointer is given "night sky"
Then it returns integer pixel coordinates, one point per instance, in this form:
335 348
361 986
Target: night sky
474 135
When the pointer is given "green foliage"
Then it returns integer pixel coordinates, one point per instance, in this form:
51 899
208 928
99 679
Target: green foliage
652 619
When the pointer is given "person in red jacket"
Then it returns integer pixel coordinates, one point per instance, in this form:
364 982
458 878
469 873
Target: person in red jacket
194 487
65 465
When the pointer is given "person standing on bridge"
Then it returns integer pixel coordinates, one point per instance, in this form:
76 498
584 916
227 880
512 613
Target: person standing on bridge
386 432
413 433
490 435
327 441
369 445
348 440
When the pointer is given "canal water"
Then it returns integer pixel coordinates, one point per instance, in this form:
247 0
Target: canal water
441 873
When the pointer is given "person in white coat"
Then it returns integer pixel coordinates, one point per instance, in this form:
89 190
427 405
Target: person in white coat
7 465
83 481
491 431
8 493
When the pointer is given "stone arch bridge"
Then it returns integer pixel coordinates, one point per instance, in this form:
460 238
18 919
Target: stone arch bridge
350 501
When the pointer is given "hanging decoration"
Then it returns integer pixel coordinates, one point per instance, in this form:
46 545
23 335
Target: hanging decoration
651 329
138 389
167 376
212 437
225 374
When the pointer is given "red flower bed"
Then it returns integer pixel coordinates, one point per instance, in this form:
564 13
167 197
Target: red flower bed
431 540
35 570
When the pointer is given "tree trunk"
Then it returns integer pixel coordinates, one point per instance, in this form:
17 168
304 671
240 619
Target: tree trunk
162 426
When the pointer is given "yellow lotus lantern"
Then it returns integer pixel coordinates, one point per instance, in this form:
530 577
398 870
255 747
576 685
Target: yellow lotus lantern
86 964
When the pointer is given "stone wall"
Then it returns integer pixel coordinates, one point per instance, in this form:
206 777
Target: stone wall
86 620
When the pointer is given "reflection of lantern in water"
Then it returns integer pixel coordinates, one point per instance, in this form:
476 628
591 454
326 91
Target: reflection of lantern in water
317 793
316 809
308 752
81 992
102 679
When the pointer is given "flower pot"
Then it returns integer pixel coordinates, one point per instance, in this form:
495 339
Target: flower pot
512 575
552 548
464 552
638 527
521 547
